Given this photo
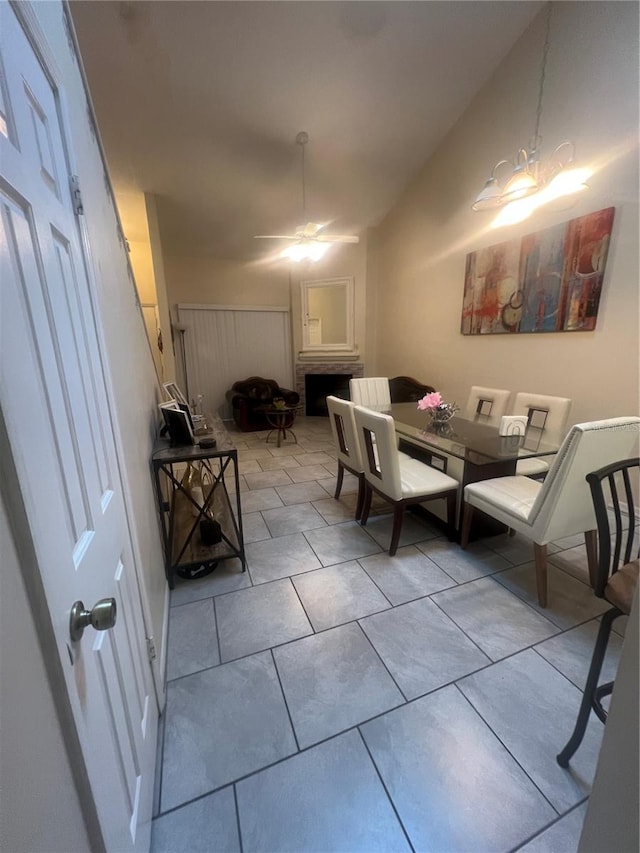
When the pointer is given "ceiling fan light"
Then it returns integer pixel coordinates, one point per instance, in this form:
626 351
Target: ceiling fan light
489 196
520 185
305 251
568 182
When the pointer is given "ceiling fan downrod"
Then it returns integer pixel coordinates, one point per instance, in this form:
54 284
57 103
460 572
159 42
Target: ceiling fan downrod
302 139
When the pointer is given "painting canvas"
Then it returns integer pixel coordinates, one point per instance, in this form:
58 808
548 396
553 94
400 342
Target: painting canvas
550 281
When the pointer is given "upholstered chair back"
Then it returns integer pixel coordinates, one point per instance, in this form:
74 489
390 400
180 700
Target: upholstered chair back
377 437
343 428
486 402
564 506
372 391
548 413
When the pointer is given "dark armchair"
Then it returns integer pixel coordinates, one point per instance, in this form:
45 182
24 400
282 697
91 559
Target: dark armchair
405 389
249 394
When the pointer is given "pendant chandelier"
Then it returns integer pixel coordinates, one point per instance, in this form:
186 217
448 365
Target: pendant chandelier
530 175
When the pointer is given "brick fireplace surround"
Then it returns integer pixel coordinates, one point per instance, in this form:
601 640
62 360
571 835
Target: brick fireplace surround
355 368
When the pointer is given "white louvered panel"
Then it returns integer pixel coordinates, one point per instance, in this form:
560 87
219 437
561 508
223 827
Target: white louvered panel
226 345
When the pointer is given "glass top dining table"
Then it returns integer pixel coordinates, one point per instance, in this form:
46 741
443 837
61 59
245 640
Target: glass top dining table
476 442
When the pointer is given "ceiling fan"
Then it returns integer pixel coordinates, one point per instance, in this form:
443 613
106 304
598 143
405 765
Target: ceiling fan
309 241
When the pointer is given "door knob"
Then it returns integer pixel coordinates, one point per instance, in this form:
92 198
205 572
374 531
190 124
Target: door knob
102 616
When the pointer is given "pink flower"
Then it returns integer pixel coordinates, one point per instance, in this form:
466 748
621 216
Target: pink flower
430 401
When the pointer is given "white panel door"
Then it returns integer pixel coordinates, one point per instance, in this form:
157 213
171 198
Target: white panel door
53 396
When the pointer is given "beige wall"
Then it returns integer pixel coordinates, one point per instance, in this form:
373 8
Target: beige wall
417 260
222 282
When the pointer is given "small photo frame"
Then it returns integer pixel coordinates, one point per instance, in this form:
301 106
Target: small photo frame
174 393
178 424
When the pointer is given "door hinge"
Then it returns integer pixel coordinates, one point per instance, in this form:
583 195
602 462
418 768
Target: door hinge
151 648
76 195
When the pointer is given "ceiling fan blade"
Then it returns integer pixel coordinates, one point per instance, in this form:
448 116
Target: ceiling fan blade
275 237
337 238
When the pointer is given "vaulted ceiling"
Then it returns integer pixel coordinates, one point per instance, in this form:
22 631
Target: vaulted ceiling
200 103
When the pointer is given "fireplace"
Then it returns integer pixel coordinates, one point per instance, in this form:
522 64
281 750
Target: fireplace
318 386
316 379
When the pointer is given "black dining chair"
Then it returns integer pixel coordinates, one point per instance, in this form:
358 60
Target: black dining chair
614 577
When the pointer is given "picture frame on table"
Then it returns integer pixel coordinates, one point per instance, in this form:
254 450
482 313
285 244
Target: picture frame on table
178 423
174 393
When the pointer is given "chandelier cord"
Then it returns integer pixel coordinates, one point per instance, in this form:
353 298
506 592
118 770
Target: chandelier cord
543 71
304 199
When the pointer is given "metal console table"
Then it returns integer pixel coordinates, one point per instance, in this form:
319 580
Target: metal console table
180 515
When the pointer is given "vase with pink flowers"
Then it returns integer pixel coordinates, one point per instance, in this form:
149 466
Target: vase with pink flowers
439 411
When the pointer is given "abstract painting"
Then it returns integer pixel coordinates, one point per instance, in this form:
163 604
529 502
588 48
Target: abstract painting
549 281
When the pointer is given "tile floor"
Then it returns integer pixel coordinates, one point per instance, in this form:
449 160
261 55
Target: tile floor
333 698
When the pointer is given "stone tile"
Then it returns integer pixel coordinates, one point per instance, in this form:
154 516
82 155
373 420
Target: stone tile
299 493
310 472
275 463
318 458
573 561
409 574
340 542
225 578
254 453
349 485
338 594
532 709
516 549
279 558
568 542
476 562
198 827
620 625
334 511
251 620
192 643
562 836
571 652
230 482
332 681
454 785
494 618
292 519
413 529
259 499
253 528
328 798
331 468
569 600
286 450
209 714
421 647
267 478
248 466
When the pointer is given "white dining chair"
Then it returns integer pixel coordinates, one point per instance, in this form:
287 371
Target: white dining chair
343 429
547 414
398 479
486 403
372 391
561 505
